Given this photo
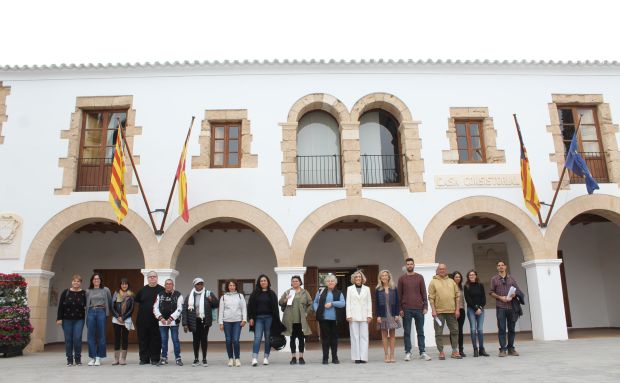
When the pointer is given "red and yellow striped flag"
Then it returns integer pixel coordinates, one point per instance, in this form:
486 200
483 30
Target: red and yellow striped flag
117 197
182 186
529 191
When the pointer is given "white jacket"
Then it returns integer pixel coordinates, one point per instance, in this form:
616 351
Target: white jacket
359 305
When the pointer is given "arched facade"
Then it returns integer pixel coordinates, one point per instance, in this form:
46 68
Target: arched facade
177 234
514 219
386 217
318 101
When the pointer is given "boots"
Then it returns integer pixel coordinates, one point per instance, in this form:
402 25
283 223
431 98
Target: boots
123 360
475 352
482 352
117 354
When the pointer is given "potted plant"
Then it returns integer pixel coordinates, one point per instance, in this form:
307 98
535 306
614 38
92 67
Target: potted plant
15 328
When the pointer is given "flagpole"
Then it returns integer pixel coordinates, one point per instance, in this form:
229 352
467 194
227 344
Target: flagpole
540 222
174 182
133 166
557 189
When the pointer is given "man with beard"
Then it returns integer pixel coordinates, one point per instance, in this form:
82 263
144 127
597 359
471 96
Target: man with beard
149 339
413 305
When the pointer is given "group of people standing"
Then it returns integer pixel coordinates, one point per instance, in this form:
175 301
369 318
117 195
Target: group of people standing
164 310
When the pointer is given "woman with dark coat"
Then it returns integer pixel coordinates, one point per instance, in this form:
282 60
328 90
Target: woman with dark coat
476 299
264 317
457 277
122 308
388 320
198 317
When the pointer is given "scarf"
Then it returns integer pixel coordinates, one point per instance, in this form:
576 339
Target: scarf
201 302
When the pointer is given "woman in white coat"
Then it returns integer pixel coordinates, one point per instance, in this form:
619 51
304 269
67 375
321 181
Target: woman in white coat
359 316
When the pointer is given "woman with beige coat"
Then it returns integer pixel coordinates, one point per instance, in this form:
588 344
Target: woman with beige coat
359 316
296 303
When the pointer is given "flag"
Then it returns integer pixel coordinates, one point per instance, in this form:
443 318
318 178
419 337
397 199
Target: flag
182 186
529 191
576 164
117 197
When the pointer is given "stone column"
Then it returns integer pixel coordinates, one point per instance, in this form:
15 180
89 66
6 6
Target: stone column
38 293
427 270
351 167
546 299
284 277
162 275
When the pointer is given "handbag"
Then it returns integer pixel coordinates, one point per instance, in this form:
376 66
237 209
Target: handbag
278 342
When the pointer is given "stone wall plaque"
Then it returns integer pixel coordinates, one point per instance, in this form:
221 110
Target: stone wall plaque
477 181
10 235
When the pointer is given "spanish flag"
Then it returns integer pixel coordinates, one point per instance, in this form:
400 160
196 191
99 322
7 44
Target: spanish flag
529 191
182 185
117 197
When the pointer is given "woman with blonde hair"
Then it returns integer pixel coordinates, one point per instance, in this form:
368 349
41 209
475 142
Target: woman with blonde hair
359 316
388 320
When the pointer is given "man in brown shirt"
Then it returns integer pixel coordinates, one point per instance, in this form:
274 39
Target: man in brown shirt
413 305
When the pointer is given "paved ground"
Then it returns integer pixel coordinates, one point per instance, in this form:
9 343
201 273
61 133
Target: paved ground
576 360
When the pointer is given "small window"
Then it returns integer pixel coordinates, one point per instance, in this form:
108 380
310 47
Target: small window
97 140
469 140
244 287
225 144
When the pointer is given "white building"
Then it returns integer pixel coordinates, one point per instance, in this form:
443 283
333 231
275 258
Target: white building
314 167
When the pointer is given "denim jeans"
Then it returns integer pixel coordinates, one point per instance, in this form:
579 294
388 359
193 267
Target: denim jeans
96 332
232 331
262 325
72 329
505 320
418 316
476 323
163 332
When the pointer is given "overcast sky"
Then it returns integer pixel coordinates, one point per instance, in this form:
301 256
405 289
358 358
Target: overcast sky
82 31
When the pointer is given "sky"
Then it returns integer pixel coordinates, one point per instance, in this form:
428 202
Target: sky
36 32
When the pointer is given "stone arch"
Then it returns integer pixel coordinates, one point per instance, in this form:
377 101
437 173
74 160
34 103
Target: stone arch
46 242
516 220
178 233
388 102
606 206
318 101
383 215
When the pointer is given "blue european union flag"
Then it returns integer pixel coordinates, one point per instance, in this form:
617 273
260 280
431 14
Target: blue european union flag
576 164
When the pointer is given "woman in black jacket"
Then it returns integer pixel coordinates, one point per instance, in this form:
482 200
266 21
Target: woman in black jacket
198 312
476 300
264 317
122 308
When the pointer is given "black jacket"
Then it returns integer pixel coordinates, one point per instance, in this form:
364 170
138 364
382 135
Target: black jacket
189 316
276 325
475 296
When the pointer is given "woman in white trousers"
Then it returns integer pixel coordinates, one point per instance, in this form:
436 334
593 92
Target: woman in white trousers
359 316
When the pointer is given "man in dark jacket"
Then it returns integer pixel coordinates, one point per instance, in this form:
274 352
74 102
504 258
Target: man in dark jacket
149 339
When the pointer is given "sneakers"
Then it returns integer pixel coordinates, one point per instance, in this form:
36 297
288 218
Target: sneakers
78 361
293 361
163 362
69 363
502 353
231 362
407 356
513 352
424 356
179 362
456 355
196 363
97 361
301 360
237 363
204 363
266 361
254 362
91 362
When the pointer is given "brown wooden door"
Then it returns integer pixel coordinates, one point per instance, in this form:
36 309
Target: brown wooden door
112 280
372 272
311 284
569 322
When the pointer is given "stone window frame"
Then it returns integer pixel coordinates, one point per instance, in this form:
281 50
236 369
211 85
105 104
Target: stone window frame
215 116
69 164
493 155
4 92
607 129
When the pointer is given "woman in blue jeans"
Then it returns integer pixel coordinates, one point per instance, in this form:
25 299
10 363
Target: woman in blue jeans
98 304
476 300
231 318
263 314
71 313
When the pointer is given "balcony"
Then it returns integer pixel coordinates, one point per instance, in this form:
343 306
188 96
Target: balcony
93 174
597 165
319 171
382 170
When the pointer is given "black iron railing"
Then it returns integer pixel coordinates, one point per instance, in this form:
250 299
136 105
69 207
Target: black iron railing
596 164
378 170
319 171
93 174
